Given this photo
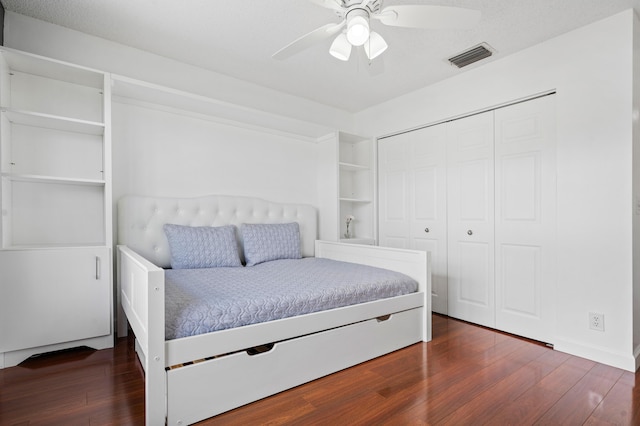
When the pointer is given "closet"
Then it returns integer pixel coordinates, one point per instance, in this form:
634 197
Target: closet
479 194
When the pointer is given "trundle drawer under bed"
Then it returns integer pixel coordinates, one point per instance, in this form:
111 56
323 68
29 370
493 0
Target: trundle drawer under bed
236 379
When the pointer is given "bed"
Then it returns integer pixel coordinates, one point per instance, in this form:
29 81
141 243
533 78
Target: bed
191 378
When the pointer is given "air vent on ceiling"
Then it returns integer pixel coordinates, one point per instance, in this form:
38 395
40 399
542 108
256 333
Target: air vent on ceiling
472 55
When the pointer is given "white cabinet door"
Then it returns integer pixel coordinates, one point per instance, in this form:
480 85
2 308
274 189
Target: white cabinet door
50 296
470 205
413 209
525 218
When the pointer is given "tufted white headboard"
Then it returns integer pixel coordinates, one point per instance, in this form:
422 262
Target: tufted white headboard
140 219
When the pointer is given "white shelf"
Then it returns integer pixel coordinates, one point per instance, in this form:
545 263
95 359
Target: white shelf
52 246
51 68
355 200
53 122
51 179
350 167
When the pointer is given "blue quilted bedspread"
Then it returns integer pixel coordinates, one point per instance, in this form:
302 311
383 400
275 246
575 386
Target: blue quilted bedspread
203 300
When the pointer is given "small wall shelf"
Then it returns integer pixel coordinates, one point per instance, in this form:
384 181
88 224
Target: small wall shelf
355 200
367 241
54 122
349 167
52 179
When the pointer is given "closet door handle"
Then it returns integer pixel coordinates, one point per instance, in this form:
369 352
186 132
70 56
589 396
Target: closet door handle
97 268
469 232
426 230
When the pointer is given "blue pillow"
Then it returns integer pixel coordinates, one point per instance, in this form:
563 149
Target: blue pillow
265 242
202 246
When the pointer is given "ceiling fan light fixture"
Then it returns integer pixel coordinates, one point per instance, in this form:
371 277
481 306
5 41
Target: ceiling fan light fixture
357 27
375 46
341 48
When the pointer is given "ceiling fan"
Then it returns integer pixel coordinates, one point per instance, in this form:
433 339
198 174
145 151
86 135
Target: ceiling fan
356 16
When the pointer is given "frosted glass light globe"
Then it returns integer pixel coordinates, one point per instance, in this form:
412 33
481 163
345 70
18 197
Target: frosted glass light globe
357 30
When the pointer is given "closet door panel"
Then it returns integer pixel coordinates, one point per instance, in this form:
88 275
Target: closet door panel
525 218
520 187
412 194
474 190
393 192
470 199
474 275
520 267
427 159
425 186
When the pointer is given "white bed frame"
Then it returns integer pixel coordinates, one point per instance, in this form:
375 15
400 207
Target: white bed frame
304 348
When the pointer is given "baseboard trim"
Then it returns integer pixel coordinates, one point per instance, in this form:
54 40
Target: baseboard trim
627 362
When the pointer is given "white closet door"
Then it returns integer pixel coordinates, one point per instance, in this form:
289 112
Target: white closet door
470 190
393 178
428 205
413 212
525 218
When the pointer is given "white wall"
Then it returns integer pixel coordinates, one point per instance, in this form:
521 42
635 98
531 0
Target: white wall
166 154
591 70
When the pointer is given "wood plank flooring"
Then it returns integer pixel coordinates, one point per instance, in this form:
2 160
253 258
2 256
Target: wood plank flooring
468 375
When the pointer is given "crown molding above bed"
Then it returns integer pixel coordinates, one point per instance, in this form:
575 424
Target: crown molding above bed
137 92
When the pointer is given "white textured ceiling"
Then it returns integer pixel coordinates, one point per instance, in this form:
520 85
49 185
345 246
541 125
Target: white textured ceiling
238 37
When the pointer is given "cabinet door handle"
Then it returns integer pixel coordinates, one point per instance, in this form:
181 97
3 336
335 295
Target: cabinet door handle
469 232
97 268
426 230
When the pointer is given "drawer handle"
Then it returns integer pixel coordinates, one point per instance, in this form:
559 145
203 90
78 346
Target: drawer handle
469 232
256 350
426 230
383 318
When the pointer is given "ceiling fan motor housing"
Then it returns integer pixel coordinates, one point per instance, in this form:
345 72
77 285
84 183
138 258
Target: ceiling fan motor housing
372 7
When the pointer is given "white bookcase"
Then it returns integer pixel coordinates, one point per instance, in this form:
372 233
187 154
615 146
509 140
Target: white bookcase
55 198
356 171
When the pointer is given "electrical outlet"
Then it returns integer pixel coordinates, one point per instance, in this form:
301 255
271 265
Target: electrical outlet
596 321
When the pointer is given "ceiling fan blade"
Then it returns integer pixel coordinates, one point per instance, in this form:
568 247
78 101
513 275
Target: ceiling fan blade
329 4
308 40
364 3
428 16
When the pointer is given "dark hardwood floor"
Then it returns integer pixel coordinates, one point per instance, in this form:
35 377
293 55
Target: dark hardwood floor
466 375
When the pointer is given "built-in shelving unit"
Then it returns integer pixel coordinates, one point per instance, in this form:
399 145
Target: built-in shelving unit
356 188
52 160
55 198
